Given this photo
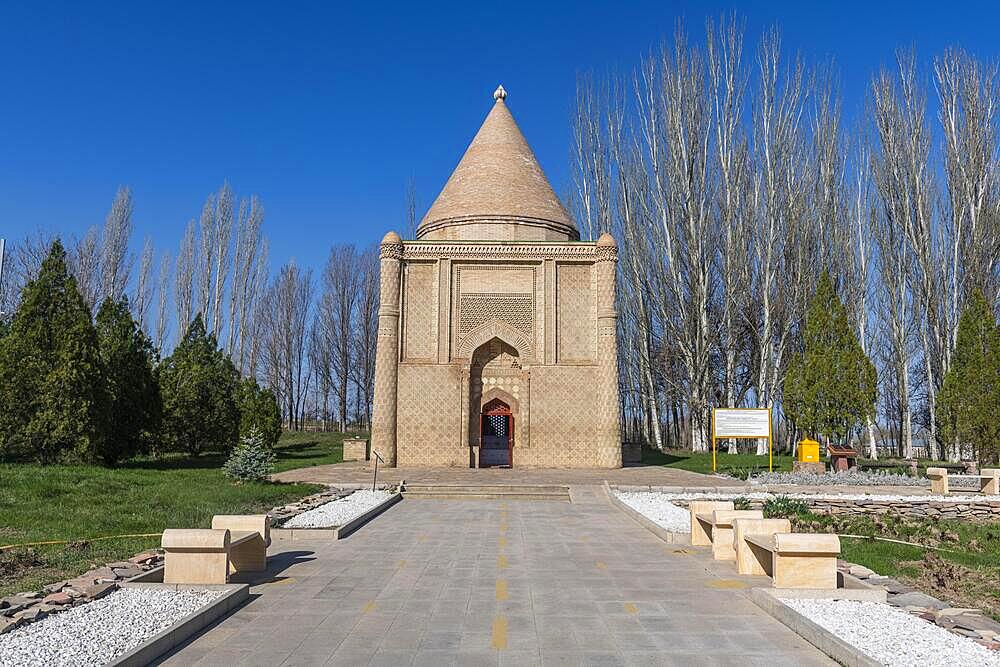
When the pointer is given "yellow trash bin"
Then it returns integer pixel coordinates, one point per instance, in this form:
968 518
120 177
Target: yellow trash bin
808 450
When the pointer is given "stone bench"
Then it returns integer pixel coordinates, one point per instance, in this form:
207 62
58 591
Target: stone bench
746 563
797 560
989 480
701 535
719 524
210 555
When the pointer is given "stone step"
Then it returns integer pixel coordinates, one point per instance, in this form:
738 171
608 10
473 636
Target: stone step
497 495
508 491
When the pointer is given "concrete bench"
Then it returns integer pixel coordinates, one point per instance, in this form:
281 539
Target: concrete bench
719 524
746 563
989 480
210 555
797 560
701 535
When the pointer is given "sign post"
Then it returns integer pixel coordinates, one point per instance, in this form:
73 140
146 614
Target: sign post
744 423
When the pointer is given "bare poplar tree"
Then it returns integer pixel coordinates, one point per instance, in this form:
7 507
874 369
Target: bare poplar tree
205 260
223 232
85 265
336 316
287 305
116 264
365 334
184 280
776 286
734 204
591 160
162 295
248 243
144 286
906 188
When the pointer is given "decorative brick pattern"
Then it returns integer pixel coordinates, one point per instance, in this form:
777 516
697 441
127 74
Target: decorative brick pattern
574 313
420 315
429 422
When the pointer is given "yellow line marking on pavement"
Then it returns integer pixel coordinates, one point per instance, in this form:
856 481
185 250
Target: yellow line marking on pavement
601 565
499 641
503 527
368 607
400 564
502 541
421 538
501 562
727 584
631 608
501 590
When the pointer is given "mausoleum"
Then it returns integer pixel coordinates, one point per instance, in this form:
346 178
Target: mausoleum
497 336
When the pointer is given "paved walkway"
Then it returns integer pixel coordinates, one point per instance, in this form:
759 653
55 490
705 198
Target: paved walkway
357 473
491 582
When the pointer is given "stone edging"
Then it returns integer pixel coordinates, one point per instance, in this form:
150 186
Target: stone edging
972 509
186 627
827 642
656 529
340 532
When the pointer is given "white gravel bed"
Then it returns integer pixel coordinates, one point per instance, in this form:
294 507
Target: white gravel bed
338 512
867 497
657 509
894 637
98 632
855 477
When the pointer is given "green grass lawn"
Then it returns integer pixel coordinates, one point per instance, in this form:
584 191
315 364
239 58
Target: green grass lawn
78 502
737 465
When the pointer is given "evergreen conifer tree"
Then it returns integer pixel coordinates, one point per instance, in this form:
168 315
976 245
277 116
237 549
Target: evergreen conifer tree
134 405
968 407
258 410
831 384
51 390
198 384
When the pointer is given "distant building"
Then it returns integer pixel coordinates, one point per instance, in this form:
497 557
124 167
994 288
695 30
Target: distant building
497 336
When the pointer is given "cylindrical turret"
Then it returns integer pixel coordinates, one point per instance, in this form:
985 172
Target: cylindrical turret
609 441
387 350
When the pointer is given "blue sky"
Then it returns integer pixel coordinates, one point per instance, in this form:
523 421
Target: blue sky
326 109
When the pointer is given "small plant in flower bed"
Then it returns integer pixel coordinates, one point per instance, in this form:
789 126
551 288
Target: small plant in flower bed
252 460
783 506
741 503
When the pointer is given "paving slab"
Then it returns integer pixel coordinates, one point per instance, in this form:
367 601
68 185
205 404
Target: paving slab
497 582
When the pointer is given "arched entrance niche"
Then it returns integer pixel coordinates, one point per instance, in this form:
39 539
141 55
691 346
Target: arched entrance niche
498 390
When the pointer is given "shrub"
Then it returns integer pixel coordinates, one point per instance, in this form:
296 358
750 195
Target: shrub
252 459
783 506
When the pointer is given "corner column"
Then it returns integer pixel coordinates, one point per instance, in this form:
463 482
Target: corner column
609 441
384 409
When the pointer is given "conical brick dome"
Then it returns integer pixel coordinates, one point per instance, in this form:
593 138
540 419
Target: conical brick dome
498 191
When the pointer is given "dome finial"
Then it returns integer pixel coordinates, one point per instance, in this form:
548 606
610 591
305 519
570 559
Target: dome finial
499 93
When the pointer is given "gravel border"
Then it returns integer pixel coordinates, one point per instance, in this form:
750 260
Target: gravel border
102 631
891 636
867 497
663 513
340 511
